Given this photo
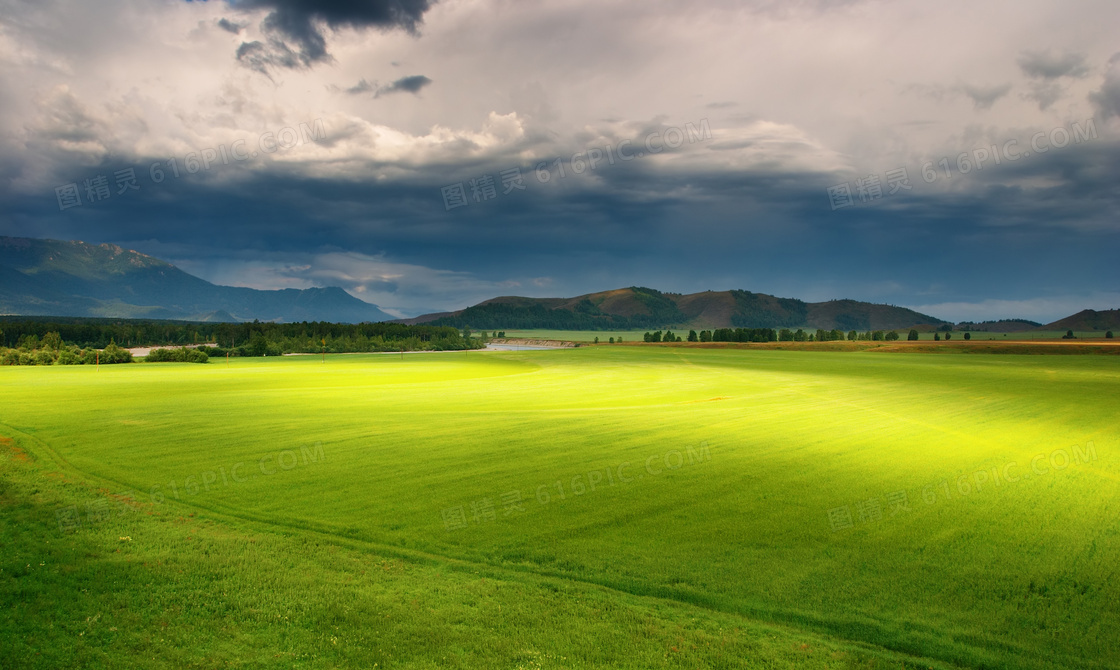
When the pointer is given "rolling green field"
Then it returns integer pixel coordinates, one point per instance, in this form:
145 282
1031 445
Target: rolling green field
592 507
636 335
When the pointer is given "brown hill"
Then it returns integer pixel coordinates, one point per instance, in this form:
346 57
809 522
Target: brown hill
641 308
856 315
1087 319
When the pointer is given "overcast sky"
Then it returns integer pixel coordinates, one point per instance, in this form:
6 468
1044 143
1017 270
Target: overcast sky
959 158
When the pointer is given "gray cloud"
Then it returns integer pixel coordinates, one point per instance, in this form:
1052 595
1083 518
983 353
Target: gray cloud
1107 99
362 86
410 84
295 27
260 56
1045 93
983 97
231 26
1051 65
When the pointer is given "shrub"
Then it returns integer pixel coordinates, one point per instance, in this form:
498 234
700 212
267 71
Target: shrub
180 355
68 357
913 335
114 354
1108 335
108 356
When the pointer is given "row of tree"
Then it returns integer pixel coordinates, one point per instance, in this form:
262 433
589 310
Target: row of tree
771 335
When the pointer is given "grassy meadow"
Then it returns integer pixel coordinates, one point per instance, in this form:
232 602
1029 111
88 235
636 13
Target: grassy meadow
606 507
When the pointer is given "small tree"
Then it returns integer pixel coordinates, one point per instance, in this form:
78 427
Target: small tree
692 336
28 342
937 336
52 341
913 334
611 340
596 340
1108 335
1069 335
948 336
968 336
892 336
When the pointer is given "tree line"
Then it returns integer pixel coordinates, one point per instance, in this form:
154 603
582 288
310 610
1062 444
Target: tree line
772 335
25 341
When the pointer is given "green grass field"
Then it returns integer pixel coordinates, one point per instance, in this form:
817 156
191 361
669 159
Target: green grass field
636 335
594 507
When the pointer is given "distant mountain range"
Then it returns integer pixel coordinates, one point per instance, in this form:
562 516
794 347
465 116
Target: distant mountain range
58 278
641 308
74 279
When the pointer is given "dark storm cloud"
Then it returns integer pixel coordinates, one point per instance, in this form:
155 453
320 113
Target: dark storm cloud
1108 98
650 227
1049 65
295 27
411 84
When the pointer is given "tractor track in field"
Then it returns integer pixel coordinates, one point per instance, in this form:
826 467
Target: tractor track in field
801 622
